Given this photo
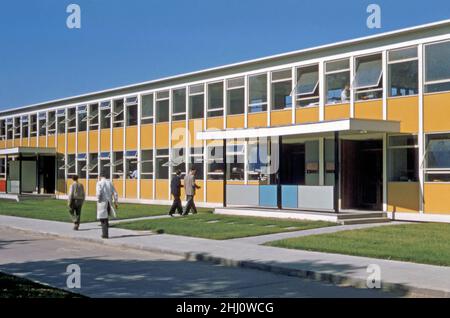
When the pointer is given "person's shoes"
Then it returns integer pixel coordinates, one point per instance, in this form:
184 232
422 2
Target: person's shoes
105 237
76 227
184 214
171 215
195 212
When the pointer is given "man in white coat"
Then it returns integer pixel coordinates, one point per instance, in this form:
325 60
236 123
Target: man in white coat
107 199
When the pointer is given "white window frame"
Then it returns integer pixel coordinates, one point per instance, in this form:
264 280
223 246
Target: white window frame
281 80
150 119
172 93
339 71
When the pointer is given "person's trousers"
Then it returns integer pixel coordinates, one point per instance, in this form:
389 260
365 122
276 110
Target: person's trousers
176 205
75 211
105 227
190 205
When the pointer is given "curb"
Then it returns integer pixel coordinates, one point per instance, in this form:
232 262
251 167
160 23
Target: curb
335 279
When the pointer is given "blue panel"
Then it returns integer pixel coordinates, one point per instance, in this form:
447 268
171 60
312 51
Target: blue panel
289 195
268 196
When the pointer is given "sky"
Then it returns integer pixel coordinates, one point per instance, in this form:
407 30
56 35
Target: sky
123 42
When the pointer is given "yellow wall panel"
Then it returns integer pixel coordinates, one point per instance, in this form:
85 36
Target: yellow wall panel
162 189
147 189
9 144
93 141
178 135
162 135
33 142
257 120
71 143
17 142
118 139
437 200
436 114
2 143
336 112
406 111
118 184
105 140
147 136
82 142
42 142
60 186
236 121
199 193
195 126
214 191
131 138
403 197
51 141
307 115
61 143
92 187
131 189
369 110
281 118
214 123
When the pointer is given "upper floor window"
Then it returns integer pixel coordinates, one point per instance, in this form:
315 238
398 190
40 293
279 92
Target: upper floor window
93 117
118 113
368 82
72 119
9 128
257 93
162 107
437 157
197 101
61 121
236 96
105 115
17 127
147 109
215 99
132 111
403 72
2 130
307 88
33 125
281 89
51 125
42 124
179 104
82 118
337 76
437 67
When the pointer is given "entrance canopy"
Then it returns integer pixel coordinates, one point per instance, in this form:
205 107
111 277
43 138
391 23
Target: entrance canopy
30 151
347 125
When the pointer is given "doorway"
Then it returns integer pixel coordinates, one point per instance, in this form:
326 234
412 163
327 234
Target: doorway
47 175
362 174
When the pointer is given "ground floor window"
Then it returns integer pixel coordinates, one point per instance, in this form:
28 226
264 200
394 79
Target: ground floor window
105 164
131 161
403 159
215 163
196 161
147 164
93 166
437 157
235 162
2 168
162 164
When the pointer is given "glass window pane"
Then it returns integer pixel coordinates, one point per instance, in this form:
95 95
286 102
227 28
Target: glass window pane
215 95
437 177
368 71
338 65
196 89
258 93
162 111
403 54
403 164
282 75
162 169
236 82
196 106
179 101
403 141
132 116
438 151
404 79
437 62
147 105
281 95
338 87
235 101
307 80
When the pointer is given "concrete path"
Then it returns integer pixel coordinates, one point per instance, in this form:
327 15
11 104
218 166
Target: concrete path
117 272
396 276
259 240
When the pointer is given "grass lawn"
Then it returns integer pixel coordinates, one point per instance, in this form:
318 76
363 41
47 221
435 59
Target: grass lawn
427 243
221 227
56 210
16 287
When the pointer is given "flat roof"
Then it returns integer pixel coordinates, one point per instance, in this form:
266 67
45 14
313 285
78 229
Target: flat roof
178 78
326 127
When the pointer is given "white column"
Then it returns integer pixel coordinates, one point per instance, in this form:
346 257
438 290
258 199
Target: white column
294 93
269 97
421 139
352 92
139 156
385 174
321 162
321 91
385 83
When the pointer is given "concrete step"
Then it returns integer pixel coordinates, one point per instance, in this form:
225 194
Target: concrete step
365 221
348 216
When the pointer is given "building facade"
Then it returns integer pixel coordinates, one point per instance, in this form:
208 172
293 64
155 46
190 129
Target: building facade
356 125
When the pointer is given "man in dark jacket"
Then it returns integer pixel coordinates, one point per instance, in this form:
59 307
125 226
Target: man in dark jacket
175 190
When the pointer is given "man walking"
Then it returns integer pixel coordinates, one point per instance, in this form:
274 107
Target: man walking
190 187
106 197
175 190
75 201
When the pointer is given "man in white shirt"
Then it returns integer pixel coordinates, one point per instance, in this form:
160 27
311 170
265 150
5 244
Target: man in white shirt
345 95
107 199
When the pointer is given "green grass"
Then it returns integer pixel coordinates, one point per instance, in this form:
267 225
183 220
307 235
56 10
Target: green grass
427 243
56 210
16 287
221 227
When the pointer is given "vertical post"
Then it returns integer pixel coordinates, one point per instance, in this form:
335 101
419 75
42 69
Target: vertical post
20 174
336 172
37 174
224 154
279 192
7 174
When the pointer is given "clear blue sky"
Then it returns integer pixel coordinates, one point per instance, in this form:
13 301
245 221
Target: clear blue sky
125 42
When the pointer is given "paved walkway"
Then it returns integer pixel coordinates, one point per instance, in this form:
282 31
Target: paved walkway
339 269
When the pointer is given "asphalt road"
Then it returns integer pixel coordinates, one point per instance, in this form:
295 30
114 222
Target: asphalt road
115 272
